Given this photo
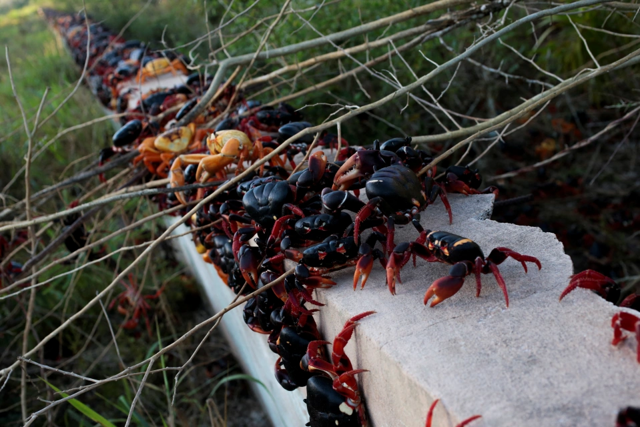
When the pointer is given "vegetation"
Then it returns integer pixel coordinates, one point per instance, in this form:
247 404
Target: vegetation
589 198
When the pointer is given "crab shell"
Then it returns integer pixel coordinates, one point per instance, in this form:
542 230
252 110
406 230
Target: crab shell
217 141
156 65
175 140
399 186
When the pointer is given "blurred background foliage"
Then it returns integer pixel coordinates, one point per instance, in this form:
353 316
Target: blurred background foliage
591 204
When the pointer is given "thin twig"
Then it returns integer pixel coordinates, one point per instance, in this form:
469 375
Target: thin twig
567 150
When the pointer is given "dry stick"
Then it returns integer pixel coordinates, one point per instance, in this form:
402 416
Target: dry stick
99 260
113 336
615 151
93 245
568 150
416 41
135 399
255 55
531 104
339 140
306 156
341 53
103 201
82 176
503 133
72 374
199 39
57 137
264 41
35 259
171 346
202 341
259 23
625 61
309 44
32 230
43 229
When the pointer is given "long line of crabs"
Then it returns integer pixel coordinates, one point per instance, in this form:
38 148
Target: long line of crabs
249 231
265 219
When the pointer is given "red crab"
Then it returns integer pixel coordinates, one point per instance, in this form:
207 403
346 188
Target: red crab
132 297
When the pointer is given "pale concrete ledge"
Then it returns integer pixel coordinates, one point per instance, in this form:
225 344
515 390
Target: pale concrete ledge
537 363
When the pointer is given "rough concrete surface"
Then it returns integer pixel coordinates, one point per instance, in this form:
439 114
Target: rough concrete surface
537 363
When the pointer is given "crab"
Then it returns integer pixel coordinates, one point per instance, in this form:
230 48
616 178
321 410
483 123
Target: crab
333 397
133 298
226 147
161 66
158 152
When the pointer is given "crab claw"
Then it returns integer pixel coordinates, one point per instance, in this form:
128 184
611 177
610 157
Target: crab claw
447 286
498 255
599 283
314 359
317 165
361 165
393 272
249 258
364 266
347 386
624 321
399 257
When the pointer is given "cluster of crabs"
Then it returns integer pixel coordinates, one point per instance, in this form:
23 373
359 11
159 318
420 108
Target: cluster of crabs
308 211
315 217
111 61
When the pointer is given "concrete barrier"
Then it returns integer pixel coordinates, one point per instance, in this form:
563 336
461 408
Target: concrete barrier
537 363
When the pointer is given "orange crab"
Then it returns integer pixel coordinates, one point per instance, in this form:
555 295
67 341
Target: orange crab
226 147
163 148
132 297
160 66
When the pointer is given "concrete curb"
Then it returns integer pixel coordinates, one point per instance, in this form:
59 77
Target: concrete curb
537 363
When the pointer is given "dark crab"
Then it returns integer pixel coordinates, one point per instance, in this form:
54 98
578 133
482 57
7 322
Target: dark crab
467 258
604 286
396 192
628 417
333 397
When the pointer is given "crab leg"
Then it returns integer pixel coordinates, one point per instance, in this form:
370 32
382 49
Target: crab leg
589 279
340 360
